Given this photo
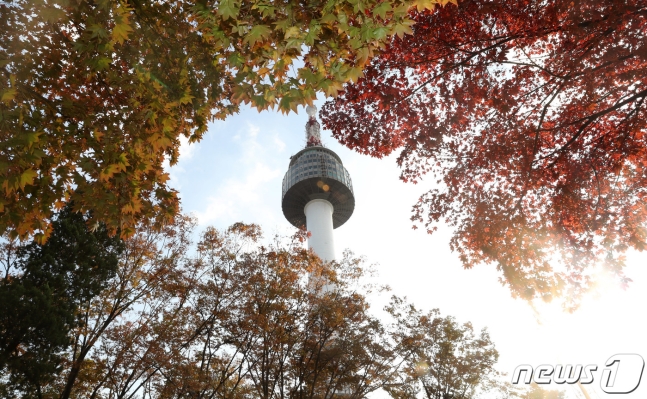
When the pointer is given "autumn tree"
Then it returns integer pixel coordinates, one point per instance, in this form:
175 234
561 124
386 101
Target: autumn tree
443 358
537 392
232 315
529 118
94 96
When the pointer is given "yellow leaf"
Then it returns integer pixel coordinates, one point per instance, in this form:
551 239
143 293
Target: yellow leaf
363 54
162 143
27 177
108 172
9 94
422 5
354 74
122 27
120 32
292 31
98 135
163 177
186 98
123 159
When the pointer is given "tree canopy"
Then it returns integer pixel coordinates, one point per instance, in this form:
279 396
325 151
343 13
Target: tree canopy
528 117
94 96
231 315
447 359
222 317
41 291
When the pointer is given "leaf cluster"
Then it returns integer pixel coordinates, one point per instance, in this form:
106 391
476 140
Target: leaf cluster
446 359
234 316
529 118
94 96
229 316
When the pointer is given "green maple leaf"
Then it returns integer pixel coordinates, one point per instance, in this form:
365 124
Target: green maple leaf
186 98
228 9
354 74
382 9
402 29
102 63
266 10
328 19
257 33
31 137
380 33
236 59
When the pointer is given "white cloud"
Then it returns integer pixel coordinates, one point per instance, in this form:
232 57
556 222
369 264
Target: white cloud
236 198
253 131
245 192
280 144
186 149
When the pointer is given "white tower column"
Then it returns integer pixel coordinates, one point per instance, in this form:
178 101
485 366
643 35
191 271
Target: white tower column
319 224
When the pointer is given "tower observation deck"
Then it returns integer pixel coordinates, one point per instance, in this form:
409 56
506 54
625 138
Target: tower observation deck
317 191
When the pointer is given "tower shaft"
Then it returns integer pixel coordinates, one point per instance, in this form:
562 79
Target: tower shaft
320 225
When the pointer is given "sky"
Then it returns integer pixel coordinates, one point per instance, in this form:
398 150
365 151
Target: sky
234 175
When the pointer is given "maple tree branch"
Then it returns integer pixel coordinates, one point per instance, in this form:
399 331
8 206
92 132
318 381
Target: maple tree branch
418 62
541 67
457 48
589 120
533 65
535 148
453 67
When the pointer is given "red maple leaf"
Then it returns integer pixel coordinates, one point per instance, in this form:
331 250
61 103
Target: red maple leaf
531 117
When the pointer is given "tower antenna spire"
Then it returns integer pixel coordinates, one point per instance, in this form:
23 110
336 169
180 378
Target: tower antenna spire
313 129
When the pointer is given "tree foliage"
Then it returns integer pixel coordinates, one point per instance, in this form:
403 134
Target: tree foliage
530 118
448 360
94 96
41 291
224 317
537 392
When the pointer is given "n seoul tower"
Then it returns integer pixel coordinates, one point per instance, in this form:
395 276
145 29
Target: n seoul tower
317 191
